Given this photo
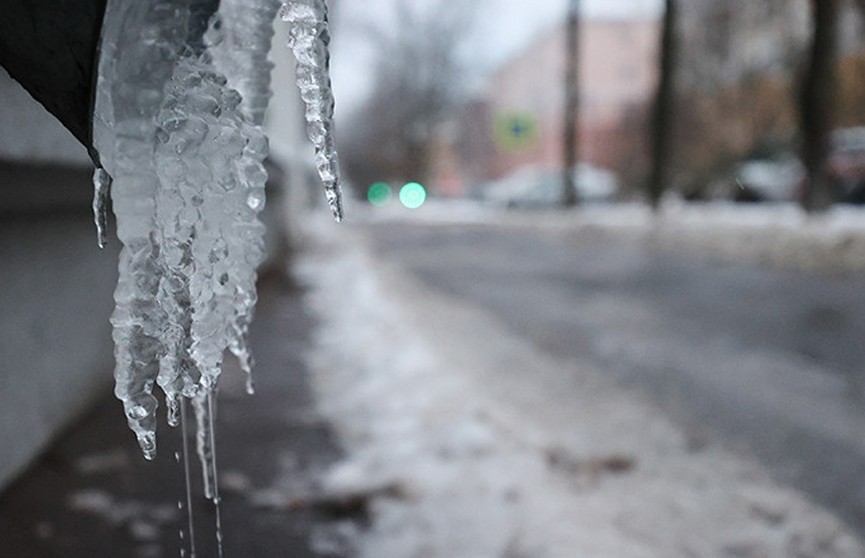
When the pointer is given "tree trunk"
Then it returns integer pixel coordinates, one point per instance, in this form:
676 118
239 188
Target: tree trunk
572 106
663 110
816 105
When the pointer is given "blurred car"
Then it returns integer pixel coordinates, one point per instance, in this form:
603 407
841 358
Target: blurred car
783 178
537 187
768 180
846 165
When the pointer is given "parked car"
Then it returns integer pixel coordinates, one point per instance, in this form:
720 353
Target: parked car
783 178
768 180
846 165
538 187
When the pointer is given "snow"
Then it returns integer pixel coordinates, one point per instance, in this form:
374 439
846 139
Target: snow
477 445
777 234
142 520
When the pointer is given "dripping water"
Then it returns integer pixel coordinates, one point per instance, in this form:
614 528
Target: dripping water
211 411
186 475
204 441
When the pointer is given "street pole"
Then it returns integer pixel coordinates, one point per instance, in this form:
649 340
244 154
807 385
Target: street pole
664 107
572 105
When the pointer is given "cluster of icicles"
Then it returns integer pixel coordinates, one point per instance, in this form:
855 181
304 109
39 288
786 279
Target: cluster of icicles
184 150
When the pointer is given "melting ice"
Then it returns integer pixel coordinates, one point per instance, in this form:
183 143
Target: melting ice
178 132
309 40
177 126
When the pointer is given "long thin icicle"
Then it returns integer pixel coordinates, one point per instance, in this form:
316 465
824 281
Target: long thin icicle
101 191
309 38
239 44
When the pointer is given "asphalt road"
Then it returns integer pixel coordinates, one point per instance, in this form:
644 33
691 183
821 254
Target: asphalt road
766 361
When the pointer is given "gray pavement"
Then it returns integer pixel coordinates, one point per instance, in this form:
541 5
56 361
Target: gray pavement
93 495
766 361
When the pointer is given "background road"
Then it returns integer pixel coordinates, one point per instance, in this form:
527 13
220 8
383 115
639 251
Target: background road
764 360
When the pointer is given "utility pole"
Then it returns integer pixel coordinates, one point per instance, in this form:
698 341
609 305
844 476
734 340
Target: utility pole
662 113
572 105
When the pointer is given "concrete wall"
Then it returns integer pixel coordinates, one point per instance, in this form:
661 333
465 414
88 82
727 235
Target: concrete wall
29 133
55 299
56 286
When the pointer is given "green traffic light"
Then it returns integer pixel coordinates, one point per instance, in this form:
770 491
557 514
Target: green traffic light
412 195
379 194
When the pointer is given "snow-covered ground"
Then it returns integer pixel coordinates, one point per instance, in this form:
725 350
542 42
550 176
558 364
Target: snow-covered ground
471 443
778 234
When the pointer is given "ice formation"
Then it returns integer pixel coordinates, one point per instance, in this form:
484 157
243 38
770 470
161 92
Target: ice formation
309 40
240 49
185 152
101 191
177 125
187 216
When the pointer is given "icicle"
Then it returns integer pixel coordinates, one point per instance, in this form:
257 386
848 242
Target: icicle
239 348
240 47
309 40
173 402
127 102
189 186
203 439
186 157
101 191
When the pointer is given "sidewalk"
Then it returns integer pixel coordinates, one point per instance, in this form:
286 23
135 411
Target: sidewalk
93 495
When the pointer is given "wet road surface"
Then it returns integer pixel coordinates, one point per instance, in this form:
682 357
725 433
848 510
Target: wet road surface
766 361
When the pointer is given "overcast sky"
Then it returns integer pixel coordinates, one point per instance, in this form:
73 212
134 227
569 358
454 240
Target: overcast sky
502 28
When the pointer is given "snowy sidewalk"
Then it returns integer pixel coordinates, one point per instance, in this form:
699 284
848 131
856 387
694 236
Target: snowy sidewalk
473 444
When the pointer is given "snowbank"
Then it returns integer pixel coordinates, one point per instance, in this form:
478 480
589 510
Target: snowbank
476 446
776 234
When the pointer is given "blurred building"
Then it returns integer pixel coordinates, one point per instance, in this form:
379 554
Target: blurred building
737 80
517 118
